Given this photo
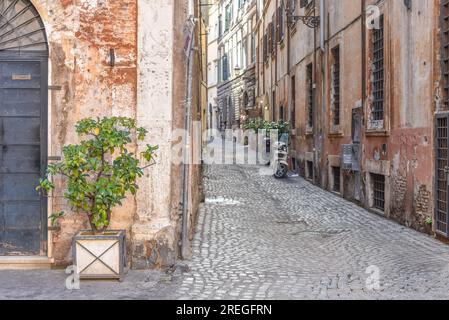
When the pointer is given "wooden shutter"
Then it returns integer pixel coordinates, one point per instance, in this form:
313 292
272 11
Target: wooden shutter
278 25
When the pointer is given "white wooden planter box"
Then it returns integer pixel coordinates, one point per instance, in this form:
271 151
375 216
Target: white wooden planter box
100 255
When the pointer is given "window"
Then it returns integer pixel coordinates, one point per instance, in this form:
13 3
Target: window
273 105
280 24
239 56
378 72
228 17
310 95
245 100
378 184
225 67
273 37
293 105
265 47
336 85
253 48
220 26
336 174
281 113
442 143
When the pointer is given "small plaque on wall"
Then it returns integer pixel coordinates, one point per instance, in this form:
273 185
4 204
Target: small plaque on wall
21 77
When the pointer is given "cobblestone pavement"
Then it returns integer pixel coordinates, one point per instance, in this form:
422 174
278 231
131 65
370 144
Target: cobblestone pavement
261 238
287 239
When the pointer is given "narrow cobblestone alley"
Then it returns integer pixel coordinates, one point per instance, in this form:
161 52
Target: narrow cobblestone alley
264 238
261 238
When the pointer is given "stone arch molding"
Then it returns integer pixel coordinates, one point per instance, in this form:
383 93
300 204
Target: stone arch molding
21 28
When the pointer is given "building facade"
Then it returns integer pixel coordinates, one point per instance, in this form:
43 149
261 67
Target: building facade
237 60
65 61
212 64
361 84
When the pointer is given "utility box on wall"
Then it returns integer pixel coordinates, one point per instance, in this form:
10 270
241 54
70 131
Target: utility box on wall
350 157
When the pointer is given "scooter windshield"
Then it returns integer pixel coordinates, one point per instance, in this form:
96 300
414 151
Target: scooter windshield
284 138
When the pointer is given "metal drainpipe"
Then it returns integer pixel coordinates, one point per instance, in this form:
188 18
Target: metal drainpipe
323 67
363 26
314 103
187 150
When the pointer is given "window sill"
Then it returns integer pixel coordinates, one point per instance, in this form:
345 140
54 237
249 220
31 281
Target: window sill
336 134
377 133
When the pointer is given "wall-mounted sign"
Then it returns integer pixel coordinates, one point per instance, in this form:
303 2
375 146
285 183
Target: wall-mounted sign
21 77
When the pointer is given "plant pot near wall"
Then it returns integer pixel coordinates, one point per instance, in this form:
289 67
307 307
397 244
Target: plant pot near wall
100 255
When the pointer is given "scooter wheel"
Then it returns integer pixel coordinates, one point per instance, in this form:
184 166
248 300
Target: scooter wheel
281 172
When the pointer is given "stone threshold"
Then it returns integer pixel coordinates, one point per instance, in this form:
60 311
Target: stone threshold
25 263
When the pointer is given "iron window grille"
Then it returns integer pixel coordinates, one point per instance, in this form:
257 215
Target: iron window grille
442 144
336 85
337 182
21 28
310 95
378 191
378 72
445 51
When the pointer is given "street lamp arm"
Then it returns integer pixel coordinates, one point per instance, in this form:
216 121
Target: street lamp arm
310 21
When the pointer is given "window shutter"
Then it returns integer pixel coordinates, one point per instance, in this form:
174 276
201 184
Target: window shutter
265 47
270 37
278 25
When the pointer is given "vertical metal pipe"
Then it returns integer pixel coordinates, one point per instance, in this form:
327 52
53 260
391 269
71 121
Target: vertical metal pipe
322 24
187 127
363 27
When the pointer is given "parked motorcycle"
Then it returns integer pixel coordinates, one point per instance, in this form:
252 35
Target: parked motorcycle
279 155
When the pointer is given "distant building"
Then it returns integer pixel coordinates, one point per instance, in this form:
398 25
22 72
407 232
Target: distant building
212 64
236 63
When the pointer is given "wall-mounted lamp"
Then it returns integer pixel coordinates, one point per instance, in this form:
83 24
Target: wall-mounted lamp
309 20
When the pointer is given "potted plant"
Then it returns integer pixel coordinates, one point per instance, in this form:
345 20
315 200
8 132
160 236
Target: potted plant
100 171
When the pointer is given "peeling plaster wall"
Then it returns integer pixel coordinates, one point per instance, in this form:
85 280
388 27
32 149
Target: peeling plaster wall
80 36
402 148
147 83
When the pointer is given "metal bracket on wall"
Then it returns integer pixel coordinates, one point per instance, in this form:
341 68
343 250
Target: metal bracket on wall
310 21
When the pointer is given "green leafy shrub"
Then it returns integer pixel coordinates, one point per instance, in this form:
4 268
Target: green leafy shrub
259 125
101 169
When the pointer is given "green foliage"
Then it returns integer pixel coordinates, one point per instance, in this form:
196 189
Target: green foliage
101 169
55 217
429 221
259 125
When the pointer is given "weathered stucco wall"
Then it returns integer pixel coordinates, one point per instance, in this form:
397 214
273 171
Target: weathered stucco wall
147 83
401 147
80 37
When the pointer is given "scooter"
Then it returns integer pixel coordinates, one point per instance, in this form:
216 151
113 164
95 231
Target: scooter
279 161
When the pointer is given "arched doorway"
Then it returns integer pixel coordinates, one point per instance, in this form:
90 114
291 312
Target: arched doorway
23 128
